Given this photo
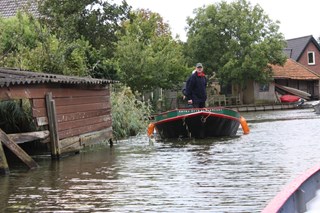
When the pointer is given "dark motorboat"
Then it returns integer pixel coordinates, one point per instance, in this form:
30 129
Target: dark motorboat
198 123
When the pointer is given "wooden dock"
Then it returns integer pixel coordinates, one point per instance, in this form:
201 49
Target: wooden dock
15 148
254 108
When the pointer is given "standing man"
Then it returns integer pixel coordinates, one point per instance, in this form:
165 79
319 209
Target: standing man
196 88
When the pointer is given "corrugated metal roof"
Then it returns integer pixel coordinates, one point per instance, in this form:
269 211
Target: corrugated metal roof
10 77
9 8
293 70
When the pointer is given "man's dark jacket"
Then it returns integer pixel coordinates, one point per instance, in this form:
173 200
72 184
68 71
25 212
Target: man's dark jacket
196 88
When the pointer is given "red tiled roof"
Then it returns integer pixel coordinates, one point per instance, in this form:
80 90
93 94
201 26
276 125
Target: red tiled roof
293 70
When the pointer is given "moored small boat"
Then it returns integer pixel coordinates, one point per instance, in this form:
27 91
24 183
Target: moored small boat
294 91
299 195
198 123
289 98
317 108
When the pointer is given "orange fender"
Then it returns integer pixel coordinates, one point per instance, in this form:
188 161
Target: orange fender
150 129
244 125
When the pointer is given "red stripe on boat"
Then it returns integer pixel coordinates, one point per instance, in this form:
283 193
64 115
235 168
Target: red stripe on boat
196 114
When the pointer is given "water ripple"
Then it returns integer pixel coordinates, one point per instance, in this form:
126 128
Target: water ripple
239 174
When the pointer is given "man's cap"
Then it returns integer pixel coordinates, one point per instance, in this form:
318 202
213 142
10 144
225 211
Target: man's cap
199 65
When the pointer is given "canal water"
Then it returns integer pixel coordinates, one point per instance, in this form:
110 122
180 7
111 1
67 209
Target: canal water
238 174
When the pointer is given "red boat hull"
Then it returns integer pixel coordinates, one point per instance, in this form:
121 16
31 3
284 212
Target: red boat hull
289 98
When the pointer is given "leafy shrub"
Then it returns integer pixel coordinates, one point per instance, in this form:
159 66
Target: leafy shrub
129 115
15 116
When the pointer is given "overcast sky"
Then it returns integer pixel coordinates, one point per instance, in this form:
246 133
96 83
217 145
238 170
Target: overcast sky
297 18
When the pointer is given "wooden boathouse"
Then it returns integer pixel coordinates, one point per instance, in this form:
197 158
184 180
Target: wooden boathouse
69 112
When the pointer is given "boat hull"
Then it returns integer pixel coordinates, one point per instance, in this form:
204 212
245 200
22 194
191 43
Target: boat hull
289 98
296 196
317 108
198 123
294 91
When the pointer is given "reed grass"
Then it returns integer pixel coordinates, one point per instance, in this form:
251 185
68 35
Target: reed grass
130 116
15 116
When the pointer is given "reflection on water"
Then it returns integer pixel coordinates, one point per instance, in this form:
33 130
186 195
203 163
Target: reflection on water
238 174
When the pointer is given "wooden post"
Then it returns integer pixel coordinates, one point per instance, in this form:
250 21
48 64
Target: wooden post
17 150
4 168
53 126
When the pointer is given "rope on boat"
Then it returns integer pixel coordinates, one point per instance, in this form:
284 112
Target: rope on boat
203 120
187 128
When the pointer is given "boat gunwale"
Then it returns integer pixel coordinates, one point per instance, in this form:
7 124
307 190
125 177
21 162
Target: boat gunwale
207 113
201 109
289 190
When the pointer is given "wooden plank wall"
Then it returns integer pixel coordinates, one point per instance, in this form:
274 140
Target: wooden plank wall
78 111
83 113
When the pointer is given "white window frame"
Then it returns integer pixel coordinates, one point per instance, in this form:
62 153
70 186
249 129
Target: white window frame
313 58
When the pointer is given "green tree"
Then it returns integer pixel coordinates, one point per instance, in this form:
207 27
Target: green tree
17 34
25 44
235 40
59 57
147 55
94 21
